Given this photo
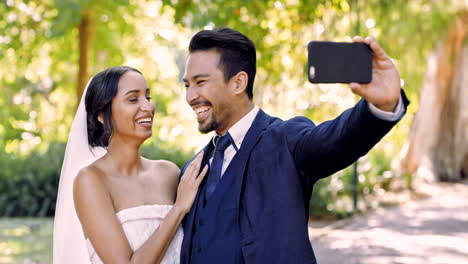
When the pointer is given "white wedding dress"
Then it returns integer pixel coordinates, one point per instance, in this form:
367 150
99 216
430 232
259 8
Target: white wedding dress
139 223
70 245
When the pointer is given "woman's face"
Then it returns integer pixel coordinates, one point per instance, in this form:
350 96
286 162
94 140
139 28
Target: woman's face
132 110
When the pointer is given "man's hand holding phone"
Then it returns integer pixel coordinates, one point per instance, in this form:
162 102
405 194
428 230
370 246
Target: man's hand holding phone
384 89
363 64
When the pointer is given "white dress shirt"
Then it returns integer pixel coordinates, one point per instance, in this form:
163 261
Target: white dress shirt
238 132
239 129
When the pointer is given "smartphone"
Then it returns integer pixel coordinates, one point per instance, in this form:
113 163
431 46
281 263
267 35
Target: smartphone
339 62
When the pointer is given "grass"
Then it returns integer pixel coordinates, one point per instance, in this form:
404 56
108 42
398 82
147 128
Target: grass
26 240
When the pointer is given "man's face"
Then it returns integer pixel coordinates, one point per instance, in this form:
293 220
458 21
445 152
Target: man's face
207 93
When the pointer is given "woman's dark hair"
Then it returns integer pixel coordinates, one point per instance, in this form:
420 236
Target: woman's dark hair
98 101
237 52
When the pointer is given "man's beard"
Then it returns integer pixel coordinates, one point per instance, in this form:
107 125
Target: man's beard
208 127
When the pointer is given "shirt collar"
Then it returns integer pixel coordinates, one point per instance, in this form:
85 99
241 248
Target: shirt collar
239 129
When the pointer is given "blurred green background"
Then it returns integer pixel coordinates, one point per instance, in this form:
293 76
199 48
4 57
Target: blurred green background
50 48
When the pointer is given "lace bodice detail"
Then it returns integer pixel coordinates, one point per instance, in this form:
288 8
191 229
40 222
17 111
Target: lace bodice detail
139 223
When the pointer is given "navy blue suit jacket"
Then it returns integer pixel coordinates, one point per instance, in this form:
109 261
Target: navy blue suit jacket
280 162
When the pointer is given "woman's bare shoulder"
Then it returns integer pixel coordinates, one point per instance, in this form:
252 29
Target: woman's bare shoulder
166 171
164 166
90 177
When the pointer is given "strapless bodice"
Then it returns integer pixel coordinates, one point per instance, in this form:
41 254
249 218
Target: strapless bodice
138 224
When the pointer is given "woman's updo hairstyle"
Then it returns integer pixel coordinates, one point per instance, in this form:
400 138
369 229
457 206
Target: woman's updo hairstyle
98 101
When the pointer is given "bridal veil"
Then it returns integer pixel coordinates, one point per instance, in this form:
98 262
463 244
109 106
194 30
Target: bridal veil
69 240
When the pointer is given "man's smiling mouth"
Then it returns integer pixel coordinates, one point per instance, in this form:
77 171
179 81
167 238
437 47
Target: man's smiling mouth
201 111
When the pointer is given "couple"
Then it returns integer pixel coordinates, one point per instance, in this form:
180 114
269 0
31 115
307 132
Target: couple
243 199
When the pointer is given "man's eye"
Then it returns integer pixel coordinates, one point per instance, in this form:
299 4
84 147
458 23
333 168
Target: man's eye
186 86
148 98
133 99
201 82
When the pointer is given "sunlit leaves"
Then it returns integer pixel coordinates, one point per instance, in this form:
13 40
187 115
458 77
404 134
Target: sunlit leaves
407 30
39 50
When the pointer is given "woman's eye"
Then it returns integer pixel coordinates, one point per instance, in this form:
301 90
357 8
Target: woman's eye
133 99
148 98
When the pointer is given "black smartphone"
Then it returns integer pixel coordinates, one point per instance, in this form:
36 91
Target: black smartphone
339 62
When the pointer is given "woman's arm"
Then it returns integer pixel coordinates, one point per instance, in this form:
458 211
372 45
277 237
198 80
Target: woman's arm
100 224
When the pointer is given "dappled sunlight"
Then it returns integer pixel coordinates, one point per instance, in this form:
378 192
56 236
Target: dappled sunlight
40 55
428 231
17 231
26 240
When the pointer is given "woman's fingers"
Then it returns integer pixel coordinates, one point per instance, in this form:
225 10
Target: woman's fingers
188 172
194 167
201 176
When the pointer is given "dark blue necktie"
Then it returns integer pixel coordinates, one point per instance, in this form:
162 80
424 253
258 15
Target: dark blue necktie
217 163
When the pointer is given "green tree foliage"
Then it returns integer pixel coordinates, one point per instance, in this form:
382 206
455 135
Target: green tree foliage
39 55
39 47
407 30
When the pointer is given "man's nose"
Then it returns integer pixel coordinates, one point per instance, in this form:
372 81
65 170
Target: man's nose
191 94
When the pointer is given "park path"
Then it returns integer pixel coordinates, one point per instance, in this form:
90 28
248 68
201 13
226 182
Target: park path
430 231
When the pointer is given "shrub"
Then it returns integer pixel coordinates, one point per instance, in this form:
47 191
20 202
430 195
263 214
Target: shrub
29 184
332 196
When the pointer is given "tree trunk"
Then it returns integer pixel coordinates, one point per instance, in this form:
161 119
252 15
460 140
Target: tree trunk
438 142
84 29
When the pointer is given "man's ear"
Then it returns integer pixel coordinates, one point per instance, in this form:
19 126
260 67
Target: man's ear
240 82
100 119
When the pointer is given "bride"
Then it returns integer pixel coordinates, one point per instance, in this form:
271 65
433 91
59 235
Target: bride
115 206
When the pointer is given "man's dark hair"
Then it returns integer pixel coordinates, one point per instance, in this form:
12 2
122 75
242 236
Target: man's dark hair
98 101
237 52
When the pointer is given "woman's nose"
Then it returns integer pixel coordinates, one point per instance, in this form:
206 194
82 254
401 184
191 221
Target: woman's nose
147 106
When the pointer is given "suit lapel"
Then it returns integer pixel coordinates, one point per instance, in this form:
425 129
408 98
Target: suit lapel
254 133
190 217
259 125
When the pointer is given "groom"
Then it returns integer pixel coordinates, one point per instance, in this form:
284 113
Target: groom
254 204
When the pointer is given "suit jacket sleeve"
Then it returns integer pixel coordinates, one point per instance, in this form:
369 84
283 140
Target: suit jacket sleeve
333 145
